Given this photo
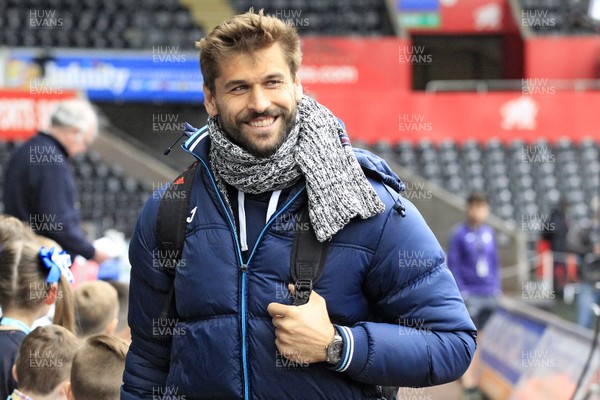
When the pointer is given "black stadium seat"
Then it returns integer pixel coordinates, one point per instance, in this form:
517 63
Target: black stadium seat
556 16
517 185
333 17
96 24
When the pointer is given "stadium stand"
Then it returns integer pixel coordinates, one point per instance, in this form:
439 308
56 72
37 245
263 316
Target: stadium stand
522 179
334 17
125 24
556 16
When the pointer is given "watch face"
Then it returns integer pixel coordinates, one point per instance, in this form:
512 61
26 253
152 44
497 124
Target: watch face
334 351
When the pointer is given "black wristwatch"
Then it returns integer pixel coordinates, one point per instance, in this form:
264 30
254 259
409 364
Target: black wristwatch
334 350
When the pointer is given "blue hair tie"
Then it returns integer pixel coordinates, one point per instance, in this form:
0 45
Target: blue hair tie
57 263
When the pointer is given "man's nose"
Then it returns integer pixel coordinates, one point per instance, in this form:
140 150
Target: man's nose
259 101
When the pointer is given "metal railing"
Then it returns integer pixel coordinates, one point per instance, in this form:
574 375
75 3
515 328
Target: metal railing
525 86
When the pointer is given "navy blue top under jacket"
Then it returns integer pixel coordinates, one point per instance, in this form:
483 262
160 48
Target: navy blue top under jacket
39 189
10 341
385 282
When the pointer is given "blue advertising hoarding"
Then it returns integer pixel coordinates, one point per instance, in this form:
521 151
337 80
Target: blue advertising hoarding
418 5
164 74
418 13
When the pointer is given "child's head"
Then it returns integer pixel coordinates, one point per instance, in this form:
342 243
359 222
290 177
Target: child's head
122 329
97 371
12 229
43 363
96 308
32 278
477 208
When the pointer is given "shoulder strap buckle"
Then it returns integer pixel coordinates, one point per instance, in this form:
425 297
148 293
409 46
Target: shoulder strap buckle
307 259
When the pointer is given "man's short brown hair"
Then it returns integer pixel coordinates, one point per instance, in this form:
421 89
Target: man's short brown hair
478 197
97 372
96 306
245 34
44 359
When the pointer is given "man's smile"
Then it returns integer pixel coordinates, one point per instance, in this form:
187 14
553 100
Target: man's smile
262 122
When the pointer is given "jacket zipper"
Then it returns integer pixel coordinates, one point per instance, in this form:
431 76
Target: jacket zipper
244 279
243 266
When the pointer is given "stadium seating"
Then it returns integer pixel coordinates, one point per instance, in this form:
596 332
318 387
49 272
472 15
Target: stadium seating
523 180
333 17
518 186
94 24
556 16
144 24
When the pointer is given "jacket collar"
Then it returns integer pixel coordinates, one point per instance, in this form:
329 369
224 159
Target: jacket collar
198 144
55 141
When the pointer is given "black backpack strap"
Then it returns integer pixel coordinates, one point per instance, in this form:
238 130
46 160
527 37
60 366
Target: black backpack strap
170 228
308 258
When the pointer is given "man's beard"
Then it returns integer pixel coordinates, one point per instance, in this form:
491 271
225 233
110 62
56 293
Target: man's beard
237 136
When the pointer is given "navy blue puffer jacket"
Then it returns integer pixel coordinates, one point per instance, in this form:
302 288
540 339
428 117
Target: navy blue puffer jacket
385 281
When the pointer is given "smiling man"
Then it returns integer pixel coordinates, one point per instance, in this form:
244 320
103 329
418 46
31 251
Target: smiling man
385 310
256 98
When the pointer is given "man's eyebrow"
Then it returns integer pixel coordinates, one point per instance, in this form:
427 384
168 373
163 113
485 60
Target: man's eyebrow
235 82
274 76
238 82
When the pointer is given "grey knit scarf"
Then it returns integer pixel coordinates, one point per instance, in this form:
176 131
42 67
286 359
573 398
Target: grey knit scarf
336 185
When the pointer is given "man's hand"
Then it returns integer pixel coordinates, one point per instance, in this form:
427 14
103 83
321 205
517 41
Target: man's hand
302 333
100 256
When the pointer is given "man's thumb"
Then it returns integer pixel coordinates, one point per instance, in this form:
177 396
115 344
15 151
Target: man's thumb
312 296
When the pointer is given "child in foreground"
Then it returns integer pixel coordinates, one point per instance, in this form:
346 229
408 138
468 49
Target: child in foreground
32 278
96 308
43 365
97 371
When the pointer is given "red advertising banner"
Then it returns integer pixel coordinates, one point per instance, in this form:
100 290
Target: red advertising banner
22 113
563 57
507 116
366 83
334 64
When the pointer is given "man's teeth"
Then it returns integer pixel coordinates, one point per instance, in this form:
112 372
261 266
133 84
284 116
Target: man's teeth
262 122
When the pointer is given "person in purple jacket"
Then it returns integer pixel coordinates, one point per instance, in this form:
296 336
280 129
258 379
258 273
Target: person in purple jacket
473 260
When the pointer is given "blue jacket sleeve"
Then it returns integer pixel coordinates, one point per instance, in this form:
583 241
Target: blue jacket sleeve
425 336
56 203
147 362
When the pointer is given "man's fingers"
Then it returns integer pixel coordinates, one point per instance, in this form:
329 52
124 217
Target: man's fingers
313 294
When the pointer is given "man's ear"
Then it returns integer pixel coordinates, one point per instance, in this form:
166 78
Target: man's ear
14 373
298 90
210 102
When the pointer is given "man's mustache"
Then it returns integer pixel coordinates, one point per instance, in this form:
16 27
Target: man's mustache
254 115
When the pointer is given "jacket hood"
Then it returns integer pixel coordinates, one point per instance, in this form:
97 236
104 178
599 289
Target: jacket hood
375 167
